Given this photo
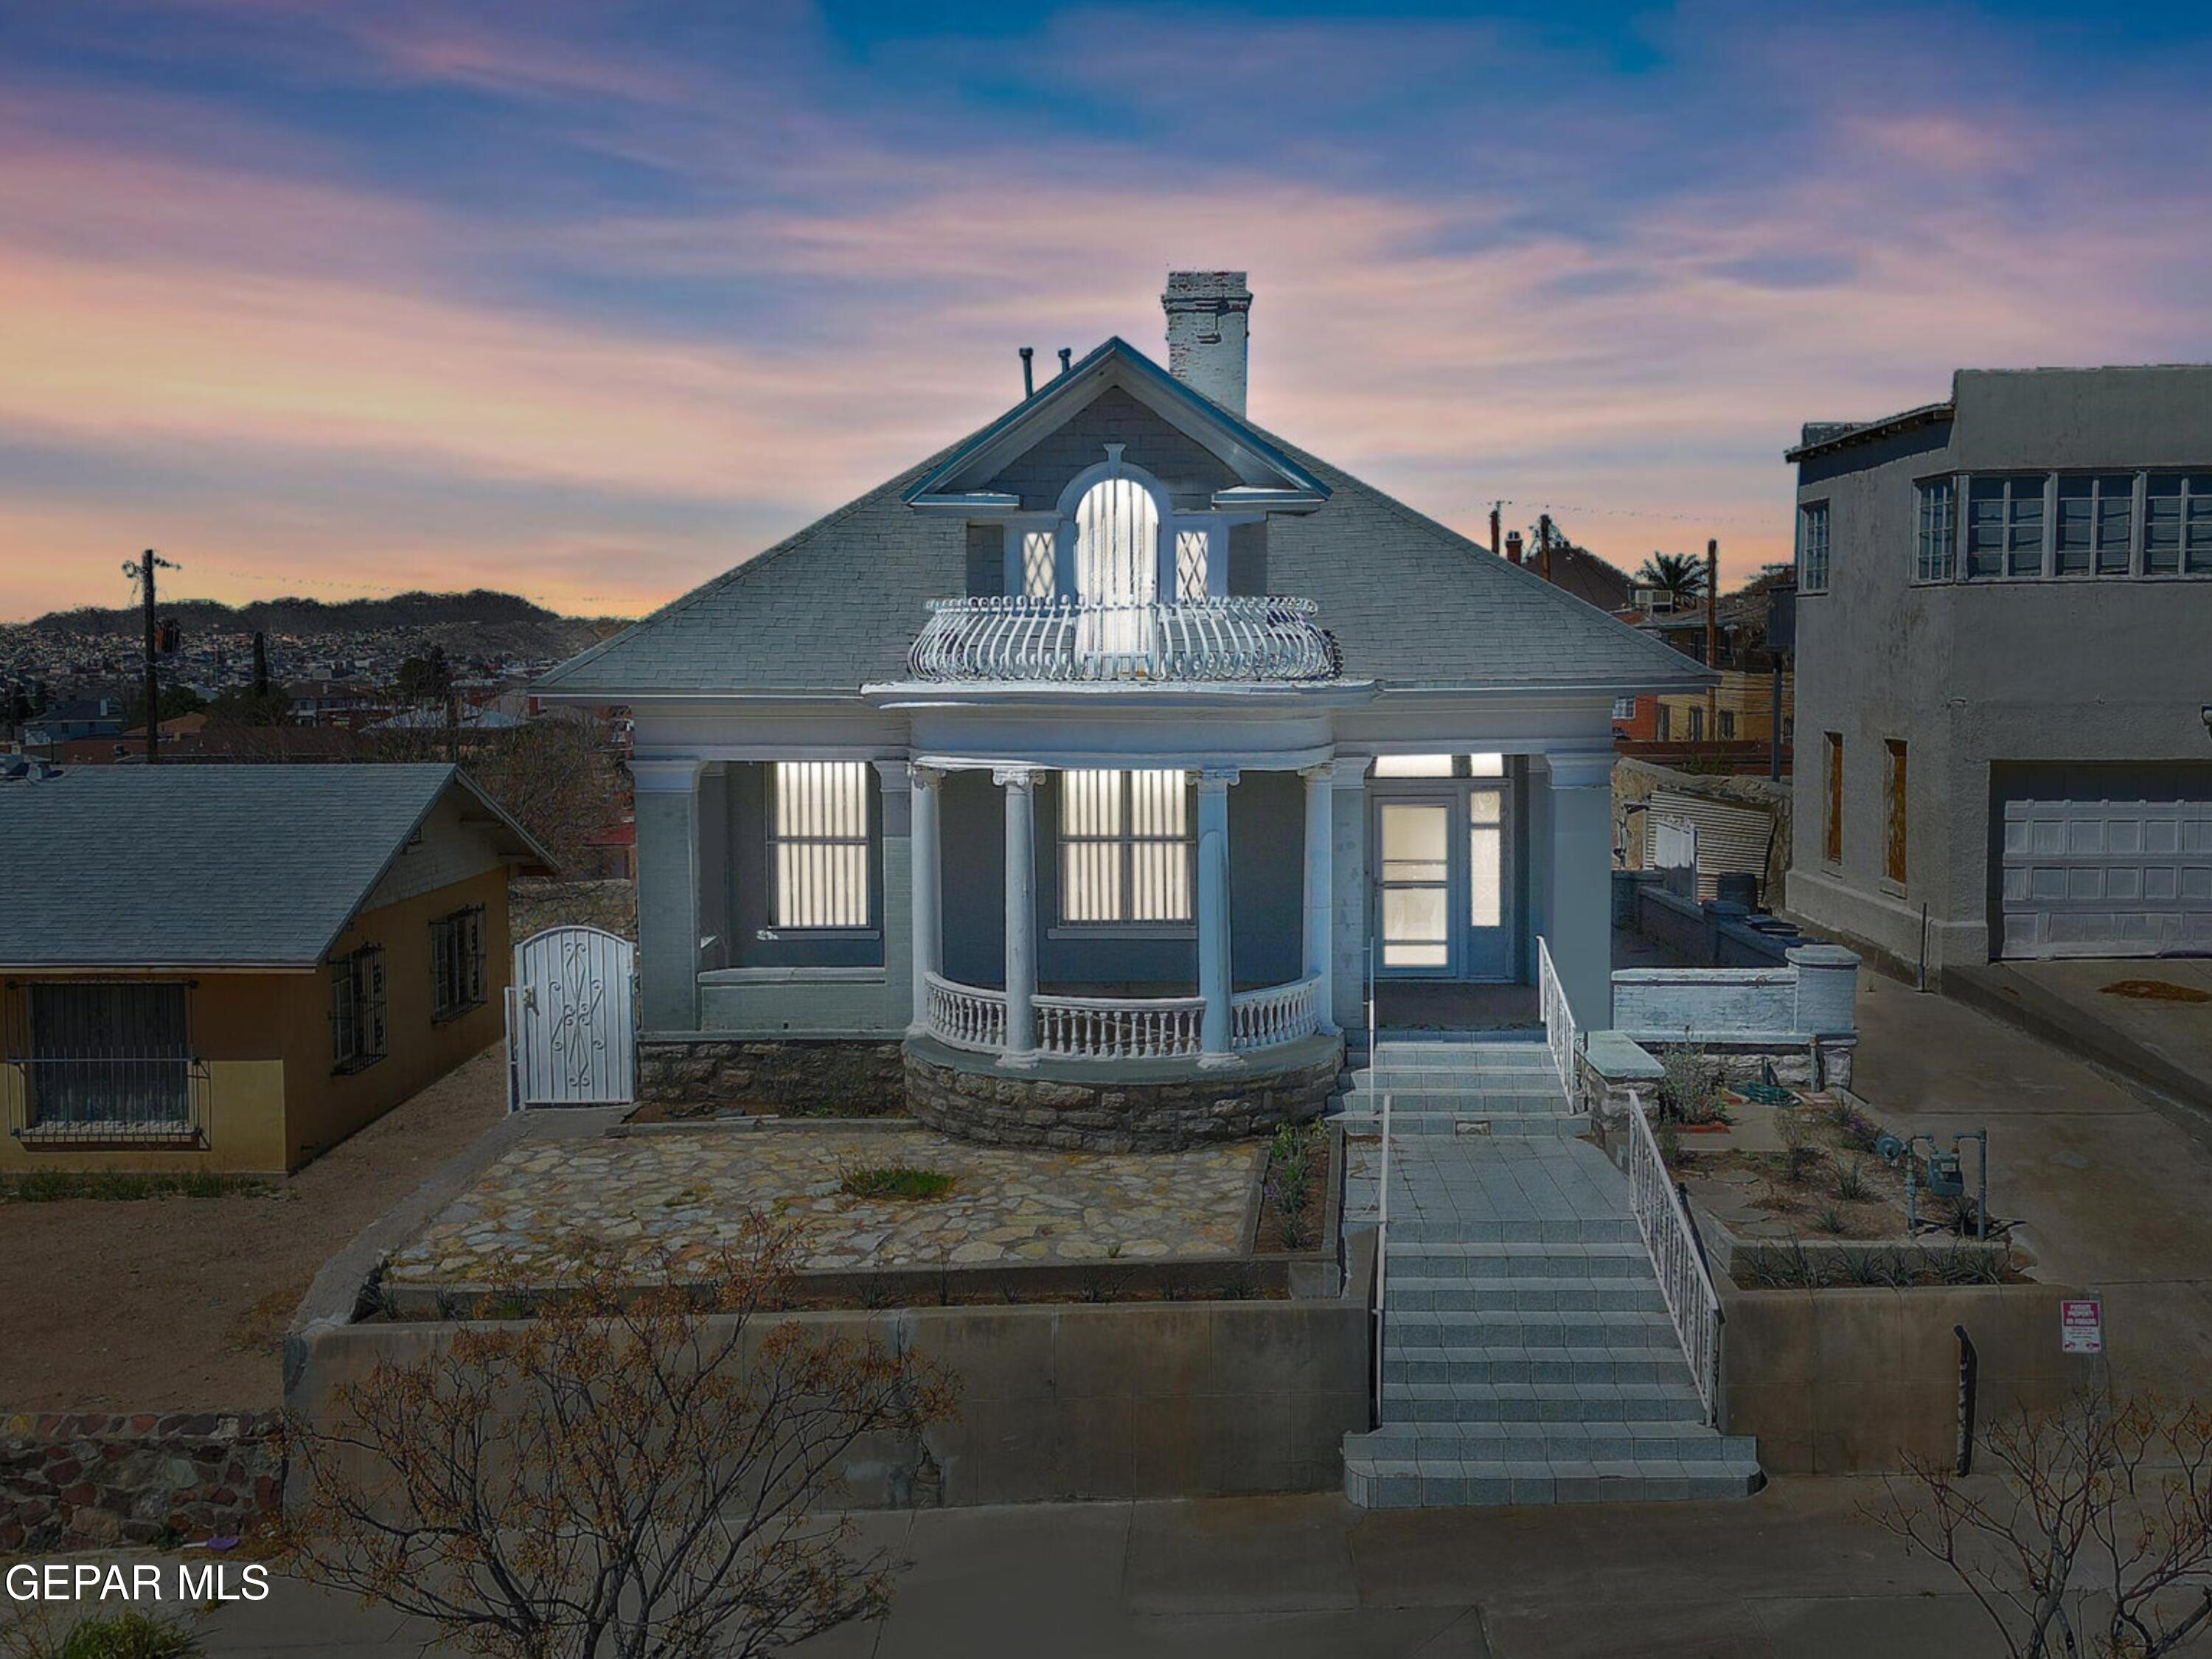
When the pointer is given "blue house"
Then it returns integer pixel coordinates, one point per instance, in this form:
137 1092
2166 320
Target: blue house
1076 780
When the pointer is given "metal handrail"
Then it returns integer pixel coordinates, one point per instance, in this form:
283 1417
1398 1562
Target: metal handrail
1559 1033
1670 1239
1383 1189
1221 638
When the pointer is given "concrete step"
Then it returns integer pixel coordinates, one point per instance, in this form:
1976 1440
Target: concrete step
1500 1366
1403 1483
1484 1101
1417 1258
1421 1327
1507 1126
1541 1402
1446 1229
1410 1293
1527 1442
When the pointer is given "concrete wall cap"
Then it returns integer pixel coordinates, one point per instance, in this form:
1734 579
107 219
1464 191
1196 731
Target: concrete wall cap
1615 1054
1822 956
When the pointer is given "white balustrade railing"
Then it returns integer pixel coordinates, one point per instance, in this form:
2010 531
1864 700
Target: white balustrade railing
1281 1013
1692 1301
1559 1024
1121 1028
966 1016
1226 638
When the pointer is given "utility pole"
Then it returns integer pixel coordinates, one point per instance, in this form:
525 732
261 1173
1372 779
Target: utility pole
1713 635
141 572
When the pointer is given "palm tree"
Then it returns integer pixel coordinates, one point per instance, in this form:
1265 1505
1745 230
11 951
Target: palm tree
1679 576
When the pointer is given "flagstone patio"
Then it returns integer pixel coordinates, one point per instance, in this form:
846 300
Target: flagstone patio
690 1191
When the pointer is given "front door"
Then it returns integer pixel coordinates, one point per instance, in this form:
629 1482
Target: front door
1445 878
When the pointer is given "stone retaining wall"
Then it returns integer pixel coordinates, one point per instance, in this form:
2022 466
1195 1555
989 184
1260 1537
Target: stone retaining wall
92 1479
969 1096
848 1079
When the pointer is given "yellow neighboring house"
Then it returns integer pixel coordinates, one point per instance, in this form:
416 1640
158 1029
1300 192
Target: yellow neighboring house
233 968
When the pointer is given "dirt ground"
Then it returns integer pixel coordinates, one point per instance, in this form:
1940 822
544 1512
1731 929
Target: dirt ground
180 1303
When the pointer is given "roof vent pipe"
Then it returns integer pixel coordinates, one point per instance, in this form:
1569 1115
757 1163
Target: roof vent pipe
1029 372
1066 358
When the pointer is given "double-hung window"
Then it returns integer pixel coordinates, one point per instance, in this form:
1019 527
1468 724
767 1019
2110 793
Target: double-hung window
1936 541
457 963
2096 522
818 844
2004 526
2178 524
357 1027
1812 547
1127 848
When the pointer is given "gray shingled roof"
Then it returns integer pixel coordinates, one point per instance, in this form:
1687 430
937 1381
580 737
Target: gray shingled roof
1412 602
188 866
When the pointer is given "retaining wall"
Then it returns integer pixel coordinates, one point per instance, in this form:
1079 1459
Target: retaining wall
1070 1402
1853 1382
856 1079
79 1479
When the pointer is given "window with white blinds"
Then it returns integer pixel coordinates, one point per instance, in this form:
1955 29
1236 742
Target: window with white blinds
819 843
1126 848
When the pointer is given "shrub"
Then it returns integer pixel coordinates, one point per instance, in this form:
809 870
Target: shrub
1801 1156
1851 1184
893 1180
1832 1221
1289 1182
1690 1090
105 1636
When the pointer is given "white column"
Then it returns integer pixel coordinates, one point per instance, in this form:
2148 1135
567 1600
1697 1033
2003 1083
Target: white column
1579 918
1213 975
929 913
668 920
1321 891
1019 784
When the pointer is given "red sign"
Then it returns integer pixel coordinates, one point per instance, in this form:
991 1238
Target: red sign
2081 1327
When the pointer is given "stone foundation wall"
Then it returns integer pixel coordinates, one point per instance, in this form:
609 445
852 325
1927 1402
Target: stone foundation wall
976 1100
70 1478
846 1079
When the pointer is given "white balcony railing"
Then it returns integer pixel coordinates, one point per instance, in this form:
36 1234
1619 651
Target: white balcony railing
1281 1013
1075 641
1121 1028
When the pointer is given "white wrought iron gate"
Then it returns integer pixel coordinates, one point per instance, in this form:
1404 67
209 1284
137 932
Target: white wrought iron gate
571 1034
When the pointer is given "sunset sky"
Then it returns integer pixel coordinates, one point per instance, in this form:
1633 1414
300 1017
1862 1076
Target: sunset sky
591 303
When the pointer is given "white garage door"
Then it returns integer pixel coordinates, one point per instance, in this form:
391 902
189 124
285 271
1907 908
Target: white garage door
2086 876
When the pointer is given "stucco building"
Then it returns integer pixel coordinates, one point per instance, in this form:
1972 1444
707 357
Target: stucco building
1077 769
231 968
2004 670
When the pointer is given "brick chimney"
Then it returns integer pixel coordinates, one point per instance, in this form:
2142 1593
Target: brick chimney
1207 325
1513 545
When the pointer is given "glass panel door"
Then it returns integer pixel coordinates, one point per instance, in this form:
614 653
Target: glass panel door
1413 839
1489 884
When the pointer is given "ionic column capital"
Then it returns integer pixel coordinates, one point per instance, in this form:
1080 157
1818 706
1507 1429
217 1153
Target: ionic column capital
1216 780
1022 778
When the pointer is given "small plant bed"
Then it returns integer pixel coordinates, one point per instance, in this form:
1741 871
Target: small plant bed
113 1186
894 1180
723 1111
1822 1181
1294 1191
1803 1266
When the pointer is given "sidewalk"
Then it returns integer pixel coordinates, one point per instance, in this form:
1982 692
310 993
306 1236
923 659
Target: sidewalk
2164 1041
1795 1572
2109 1184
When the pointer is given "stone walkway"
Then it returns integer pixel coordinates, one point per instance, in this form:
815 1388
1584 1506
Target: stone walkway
689 1191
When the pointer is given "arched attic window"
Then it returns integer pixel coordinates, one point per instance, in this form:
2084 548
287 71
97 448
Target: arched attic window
1117 543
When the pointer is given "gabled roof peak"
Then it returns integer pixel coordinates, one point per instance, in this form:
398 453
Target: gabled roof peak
1260 465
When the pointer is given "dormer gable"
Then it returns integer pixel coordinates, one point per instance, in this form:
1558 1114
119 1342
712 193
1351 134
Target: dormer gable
1209 458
